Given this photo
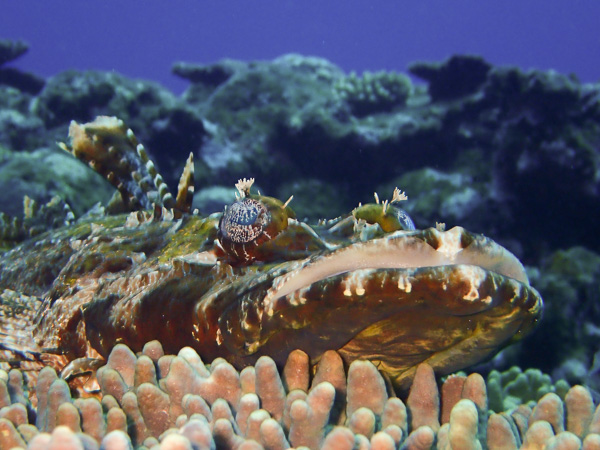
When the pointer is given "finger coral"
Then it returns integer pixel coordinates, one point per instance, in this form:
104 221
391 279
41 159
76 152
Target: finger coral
152 400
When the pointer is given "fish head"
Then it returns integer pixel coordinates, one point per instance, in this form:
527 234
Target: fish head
401 297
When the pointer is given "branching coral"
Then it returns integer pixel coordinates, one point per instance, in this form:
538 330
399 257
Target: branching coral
165 401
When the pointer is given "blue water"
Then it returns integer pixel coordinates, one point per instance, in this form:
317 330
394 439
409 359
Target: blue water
143 38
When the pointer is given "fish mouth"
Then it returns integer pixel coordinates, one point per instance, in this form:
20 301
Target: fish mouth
403 250
450 298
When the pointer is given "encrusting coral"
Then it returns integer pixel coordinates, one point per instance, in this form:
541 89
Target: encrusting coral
153 400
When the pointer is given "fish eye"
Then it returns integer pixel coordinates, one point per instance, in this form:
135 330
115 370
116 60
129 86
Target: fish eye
243 221
389 216
249 222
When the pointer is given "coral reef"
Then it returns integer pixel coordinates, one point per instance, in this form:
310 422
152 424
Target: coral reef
514 387
171 128
45 173
451 196
205 78
569 280
153 400
212 75
374 92
245 113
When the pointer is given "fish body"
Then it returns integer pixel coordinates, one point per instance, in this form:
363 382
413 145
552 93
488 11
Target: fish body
255 281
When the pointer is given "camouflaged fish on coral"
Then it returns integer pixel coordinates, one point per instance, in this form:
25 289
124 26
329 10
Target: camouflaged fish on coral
250 281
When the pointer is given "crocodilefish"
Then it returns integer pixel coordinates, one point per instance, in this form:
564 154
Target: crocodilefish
252 280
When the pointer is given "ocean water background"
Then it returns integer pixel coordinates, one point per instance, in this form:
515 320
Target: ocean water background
143 38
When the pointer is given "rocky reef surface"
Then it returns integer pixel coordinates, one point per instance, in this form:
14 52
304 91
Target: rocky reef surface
510 153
